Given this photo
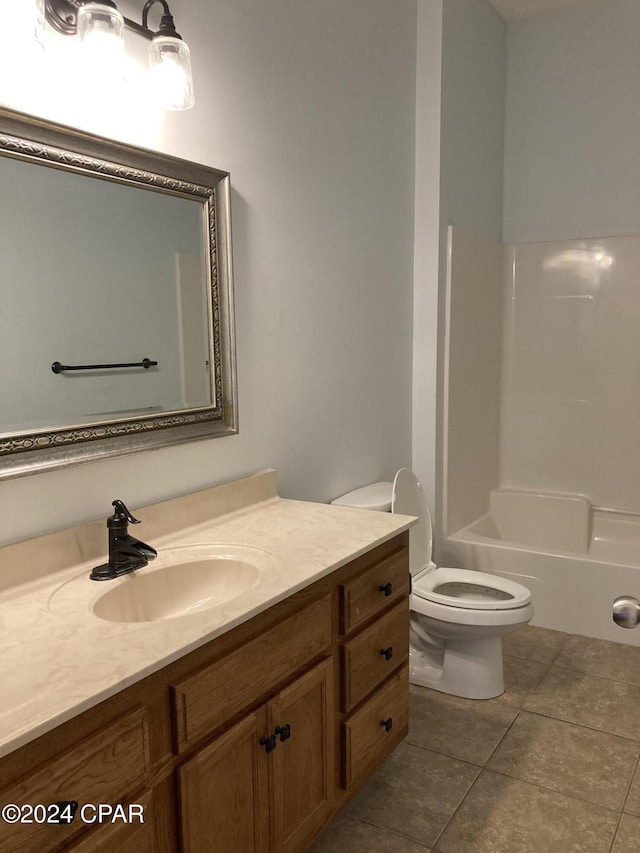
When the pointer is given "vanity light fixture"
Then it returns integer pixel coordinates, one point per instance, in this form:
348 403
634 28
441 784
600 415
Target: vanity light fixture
100 27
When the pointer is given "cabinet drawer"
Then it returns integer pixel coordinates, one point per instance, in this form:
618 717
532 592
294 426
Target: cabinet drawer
135 837
207 699
100 769
367 594
366 738
374 654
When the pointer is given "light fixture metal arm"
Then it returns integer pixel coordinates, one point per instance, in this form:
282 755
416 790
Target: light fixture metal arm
167 26
147 6
138 28
62 16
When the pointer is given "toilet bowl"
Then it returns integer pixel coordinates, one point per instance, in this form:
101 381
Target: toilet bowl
458 616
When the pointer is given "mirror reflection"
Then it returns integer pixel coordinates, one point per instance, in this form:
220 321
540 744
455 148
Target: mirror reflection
98 273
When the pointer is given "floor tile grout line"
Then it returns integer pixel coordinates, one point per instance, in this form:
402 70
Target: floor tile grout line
391 831
457 809
615 833
630 785
533 643
613 809
514 704
614 812
562 645
485 764
617 812
481 767
549 716
497 746
568 637
567 668
547 663
446 755
478 767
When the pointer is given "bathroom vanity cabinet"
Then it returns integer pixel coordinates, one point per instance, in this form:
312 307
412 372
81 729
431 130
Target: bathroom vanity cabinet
252 742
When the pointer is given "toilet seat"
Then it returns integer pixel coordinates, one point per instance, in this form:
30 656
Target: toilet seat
483 591
460 616
450 594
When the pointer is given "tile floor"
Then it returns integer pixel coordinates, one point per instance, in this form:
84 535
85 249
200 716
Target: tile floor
549 767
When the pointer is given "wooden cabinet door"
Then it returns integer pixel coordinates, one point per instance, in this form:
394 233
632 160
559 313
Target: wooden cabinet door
301 765
224 792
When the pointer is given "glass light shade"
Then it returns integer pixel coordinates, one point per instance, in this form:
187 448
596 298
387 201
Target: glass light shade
101 33
170 73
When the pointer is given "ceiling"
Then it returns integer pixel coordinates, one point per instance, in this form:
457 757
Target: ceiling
516 10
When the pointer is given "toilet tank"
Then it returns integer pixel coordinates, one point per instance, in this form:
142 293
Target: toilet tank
375 496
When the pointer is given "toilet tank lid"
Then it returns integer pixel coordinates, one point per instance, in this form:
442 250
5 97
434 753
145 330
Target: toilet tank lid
375 496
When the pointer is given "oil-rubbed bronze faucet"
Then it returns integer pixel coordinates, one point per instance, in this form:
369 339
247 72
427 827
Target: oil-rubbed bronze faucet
125 552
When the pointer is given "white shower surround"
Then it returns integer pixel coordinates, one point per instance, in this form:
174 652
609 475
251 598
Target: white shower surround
540 423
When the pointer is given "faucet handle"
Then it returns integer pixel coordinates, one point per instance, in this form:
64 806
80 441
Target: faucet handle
122 513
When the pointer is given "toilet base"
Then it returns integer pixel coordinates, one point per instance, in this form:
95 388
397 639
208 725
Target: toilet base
468 668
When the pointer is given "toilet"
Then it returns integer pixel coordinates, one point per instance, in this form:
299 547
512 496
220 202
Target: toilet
458 616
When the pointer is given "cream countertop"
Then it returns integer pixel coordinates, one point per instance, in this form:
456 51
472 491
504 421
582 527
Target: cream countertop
57 658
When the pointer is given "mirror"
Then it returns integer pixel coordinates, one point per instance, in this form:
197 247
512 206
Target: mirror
116 317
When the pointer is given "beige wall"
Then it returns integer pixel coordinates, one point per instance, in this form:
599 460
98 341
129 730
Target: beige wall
471 124
472 381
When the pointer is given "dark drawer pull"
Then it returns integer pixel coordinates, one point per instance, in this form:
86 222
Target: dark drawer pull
388 724
64 811
387 653
284 732
269 743
387 588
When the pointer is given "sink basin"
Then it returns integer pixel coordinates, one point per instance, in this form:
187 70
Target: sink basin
182 581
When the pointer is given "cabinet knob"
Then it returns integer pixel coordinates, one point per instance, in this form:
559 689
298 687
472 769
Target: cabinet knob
284 732
387 588
64 811
269 743
388 723
387 653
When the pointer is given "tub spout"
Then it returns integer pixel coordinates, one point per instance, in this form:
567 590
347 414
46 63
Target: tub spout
626 611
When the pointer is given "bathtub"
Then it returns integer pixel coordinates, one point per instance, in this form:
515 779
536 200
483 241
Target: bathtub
575 558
